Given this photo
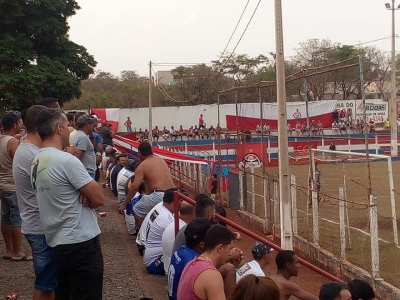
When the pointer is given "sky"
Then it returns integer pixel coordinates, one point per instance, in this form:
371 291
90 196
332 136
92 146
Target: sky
127 34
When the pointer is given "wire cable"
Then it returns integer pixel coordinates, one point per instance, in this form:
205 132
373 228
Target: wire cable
234 30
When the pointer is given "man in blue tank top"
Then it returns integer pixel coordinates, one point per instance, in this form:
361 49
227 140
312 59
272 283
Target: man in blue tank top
194 235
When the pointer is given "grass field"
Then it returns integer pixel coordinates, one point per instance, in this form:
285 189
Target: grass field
353 177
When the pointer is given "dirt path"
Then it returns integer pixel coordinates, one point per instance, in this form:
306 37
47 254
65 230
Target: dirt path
120 280
125 276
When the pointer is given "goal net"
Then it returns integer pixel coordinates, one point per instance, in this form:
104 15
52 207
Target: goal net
336 178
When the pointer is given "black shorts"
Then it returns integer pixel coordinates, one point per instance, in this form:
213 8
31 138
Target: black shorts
79 270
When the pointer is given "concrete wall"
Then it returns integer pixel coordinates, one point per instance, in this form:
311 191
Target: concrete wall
328 262
175 115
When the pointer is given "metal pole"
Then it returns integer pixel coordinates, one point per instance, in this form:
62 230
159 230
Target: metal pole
284 174
393 104
306 99
360 57
150 107
219 154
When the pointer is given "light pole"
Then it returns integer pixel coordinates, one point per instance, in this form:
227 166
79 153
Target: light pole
393 102
284 172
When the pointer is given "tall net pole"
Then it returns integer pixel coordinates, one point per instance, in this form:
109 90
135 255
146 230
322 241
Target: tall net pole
284 172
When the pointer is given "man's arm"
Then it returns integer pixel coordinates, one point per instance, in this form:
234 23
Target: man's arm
294 290
12 146
79 153
95 194
213 285
139 175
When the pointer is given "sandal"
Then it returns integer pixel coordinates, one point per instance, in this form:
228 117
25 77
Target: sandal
23 258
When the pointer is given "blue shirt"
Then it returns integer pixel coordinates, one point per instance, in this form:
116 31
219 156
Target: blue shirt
179 260
98 140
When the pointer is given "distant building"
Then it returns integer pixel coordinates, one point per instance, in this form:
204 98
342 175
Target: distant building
165 78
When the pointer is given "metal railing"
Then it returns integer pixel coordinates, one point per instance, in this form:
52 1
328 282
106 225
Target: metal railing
178 196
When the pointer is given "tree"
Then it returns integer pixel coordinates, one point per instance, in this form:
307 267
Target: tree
37 59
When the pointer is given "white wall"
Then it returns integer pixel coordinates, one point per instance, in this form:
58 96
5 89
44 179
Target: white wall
174 115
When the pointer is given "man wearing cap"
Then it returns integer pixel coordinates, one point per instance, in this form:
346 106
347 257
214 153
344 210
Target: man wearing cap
194 235
260 260
10 215
159 220
84 147
106 134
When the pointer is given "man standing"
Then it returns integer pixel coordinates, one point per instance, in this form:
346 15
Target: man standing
128 124
155 173
43 259
84 146
201 121
10 216
260 260
200 278
288 266
68 220
214 187
106 134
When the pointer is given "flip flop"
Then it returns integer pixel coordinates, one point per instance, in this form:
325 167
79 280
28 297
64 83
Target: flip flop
6 257
23 258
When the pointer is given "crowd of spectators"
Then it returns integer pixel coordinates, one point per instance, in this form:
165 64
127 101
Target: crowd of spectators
49 193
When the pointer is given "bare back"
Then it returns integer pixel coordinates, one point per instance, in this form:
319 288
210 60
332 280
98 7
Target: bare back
156 174
288 289
281 282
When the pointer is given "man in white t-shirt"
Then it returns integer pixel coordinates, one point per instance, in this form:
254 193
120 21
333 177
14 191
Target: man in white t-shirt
141 236
186 215
256 266
159 220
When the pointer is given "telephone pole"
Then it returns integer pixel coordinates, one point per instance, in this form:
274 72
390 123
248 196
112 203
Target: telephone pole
284 172
150 107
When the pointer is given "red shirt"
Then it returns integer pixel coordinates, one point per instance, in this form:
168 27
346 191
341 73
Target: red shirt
189 275
201 121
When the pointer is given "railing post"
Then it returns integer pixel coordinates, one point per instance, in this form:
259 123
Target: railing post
267 207
241 196
373 216
276 204
253 191
176 212
393 202
294 204
342 224
199 174
376 144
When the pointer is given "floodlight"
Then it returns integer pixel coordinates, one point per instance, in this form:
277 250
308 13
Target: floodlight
387 5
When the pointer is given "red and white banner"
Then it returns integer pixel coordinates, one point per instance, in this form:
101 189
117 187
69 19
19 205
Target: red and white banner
248 114
111 115
129 145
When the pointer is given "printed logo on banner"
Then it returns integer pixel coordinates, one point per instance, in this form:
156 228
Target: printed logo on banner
251 160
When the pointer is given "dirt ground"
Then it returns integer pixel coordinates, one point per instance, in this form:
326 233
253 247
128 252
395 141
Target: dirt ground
125 276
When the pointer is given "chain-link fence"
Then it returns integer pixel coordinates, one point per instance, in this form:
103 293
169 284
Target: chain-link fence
340 202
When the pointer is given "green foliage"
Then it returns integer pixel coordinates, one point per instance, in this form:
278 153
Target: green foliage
317 60
37 59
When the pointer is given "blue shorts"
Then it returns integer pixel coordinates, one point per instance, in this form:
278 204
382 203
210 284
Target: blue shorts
9 209
92 175
146 203
156 267
43 262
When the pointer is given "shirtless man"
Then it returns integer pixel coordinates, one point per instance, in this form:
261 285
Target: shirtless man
288 266
155 173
